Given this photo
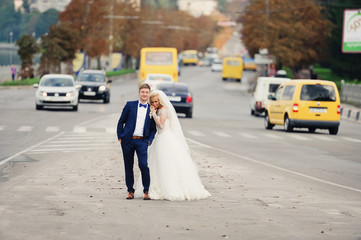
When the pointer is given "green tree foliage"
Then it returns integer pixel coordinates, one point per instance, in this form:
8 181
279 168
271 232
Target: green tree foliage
222 5
27 48
9 21
341 63
59 45
26 6
45 20
293 31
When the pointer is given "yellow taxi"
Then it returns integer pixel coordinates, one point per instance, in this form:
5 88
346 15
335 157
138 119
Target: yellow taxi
303 103
232 68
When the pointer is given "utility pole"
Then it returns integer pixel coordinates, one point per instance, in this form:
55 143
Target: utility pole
111 34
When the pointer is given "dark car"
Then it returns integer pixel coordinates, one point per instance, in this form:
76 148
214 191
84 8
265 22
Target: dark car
94 85
180 97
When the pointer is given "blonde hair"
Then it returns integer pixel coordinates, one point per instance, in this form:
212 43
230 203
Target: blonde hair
155 94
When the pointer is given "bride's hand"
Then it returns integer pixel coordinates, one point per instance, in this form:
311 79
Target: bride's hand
152 109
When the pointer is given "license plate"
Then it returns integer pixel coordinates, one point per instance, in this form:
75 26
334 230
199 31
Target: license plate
318 110
89 93
174 98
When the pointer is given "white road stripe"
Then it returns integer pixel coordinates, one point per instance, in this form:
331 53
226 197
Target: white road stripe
86 138
247 135
196 133
352 139
83 141
79 129
52 129
276 167
270 135
30 148
67 149
296 136
222 134
324 138
50 145
25 128
111 130
2 128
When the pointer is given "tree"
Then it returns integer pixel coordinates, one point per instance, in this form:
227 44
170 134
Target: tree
58 46
9 21
293 31
45 20
341 63
27 48
26 6
88 20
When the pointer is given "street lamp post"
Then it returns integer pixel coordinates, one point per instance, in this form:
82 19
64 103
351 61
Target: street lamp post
11 50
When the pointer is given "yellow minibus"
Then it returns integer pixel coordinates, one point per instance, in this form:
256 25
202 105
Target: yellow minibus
232 68
190 57
158 60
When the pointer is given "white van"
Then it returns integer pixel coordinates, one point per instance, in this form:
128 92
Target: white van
264 87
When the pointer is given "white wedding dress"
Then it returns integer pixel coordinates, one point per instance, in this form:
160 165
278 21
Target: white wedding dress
173 174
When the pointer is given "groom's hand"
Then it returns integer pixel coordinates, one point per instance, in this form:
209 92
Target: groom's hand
120 140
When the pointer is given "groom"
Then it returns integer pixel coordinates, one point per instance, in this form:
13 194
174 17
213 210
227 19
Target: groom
135 132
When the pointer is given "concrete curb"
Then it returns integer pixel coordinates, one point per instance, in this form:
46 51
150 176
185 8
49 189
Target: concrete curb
350 112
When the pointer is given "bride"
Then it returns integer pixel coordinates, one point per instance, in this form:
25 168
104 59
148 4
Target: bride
173 174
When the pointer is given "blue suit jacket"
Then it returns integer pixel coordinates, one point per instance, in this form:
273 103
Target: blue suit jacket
127 121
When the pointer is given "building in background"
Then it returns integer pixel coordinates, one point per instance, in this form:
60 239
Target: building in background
43 5
198 7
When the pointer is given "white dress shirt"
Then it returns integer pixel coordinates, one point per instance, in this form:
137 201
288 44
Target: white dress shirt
139 126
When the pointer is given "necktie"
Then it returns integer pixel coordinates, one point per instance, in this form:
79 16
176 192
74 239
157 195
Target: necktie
143 105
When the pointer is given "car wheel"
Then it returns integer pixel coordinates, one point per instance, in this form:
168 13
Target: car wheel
239 80
333 131
287 124
252 112
224 79
38 107
189 114
106 99
75 108
312 130
267 123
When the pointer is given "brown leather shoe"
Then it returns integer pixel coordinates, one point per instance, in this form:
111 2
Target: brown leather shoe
146 196
130 195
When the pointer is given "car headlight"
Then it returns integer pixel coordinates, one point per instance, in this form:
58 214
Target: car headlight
102 88
69 94
42 94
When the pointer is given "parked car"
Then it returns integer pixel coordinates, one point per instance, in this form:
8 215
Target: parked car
154 78
56 90
94 85
217 65
264 87
204 62
180 97
249 64
308 104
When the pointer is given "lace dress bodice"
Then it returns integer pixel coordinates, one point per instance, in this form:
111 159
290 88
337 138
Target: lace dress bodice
162 114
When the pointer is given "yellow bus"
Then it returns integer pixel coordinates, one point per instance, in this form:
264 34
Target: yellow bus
158 60
232 68
190 57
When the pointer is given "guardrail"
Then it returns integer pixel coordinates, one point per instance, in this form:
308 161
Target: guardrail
351 93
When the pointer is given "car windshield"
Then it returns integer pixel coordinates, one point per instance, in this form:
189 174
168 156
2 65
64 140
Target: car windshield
233 63
160 78
91 77
318 92
57 82
180 89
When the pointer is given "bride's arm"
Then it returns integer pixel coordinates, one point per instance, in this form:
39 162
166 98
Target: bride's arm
160 120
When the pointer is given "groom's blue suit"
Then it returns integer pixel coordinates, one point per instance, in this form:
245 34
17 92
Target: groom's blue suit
125 130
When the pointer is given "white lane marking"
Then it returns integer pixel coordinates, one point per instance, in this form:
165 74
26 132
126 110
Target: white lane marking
276 167
29 149
111 130
247 135
52 129
67 149
85 138
222 134
298 137
2 128
25 128
352 139
79 129
270 135
83 141
324 138
50 145
196 133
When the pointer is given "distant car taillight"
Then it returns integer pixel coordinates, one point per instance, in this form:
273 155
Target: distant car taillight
189 99
295 107
338 109
258 104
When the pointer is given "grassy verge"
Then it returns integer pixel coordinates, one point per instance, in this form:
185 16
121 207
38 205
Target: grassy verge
31 81
327 74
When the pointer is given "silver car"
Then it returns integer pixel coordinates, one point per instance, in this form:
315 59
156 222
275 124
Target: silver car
56 90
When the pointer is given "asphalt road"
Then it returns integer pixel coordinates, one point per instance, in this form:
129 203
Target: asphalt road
61 172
